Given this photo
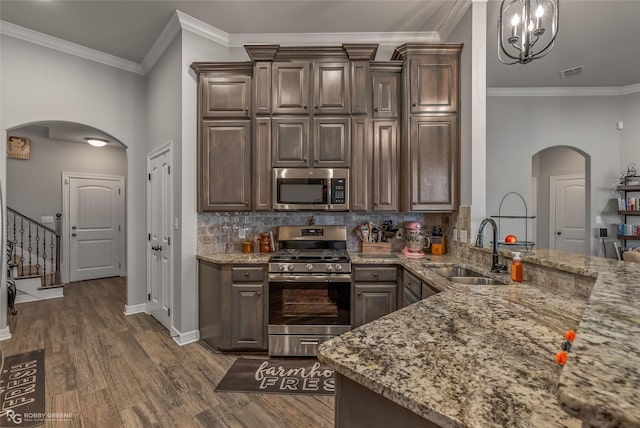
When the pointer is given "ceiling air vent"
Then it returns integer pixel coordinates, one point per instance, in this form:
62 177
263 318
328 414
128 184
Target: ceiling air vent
571 72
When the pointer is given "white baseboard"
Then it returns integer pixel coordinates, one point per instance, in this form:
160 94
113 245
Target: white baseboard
5 334
135 309
185 338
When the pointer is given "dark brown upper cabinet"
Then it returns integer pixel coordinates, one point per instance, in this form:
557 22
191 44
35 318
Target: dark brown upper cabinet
290 86
385 95
226 96
331 142
290 142
434 83
331 93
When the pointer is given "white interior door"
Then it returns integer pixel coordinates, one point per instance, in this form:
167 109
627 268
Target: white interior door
96 227
159 250
567 213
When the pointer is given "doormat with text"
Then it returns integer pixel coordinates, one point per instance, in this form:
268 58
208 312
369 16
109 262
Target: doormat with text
278 376
22 390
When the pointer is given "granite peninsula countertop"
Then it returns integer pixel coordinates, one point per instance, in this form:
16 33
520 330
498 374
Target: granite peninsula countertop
484 355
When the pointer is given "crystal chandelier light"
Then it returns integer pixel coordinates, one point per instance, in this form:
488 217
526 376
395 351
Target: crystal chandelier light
526 30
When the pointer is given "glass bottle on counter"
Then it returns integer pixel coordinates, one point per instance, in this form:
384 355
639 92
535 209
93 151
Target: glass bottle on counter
516 267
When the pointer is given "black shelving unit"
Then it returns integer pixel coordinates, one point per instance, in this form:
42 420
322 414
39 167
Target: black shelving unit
526 244
626 189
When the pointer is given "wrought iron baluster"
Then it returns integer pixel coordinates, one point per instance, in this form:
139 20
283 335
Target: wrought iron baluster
51 246
37 251
29 248
44 257
22 247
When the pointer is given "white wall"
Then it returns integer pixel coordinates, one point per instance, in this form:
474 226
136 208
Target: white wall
630 149
462 34
34 186
194 48
41 84
519 127
550 162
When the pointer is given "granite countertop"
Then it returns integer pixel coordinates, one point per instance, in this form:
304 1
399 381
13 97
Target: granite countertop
484 355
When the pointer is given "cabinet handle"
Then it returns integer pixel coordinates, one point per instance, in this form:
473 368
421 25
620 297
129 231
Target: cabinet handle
246 274
375 274
358 293
316 161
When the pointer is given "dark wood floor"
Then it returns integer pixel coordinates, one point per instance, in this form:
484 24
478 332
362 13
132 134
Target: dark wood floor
113 370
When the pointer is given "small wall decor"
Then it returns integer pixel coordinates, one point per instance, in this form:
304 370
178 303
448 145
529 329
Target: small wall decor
18 148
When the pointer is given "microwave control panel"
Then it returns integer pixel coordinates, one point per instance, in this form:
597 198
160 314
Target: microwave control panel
338 190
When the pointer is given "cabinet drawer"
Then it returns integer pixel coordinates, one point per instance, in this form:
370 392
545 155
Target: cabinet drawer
374 273
412 283
247 274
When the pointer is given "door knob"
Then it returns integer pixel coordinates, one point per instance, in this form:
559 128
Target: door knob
73 227
73 234
558 233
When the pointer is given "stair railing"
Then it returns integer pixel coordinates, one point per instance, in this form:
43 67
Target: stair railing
36 246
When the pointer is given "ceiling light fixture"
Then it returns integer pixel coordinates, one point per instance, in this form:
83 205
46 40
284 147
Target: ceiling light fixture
523 28
96 142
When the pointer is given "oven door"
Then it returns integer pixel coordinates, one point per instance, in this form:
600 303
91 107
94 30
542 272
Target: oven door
309 300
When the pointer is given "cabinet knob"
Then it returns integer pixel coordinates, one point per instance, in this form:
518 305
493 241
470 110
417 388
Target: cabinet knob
246 202
304 159
304 106
375 109
316 161
415 104
358 293
375 274
246 274
316 106
259 293
246 109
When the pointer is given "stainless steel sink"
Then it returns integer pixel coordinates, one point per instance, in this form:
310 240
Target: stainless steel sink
475 280
455 271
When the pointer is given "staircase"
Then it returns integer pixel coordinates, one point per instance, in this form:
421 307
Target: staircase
36 256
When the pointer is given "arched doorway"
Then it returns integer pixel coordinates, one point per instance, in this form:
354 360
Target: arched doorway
36 192
561 194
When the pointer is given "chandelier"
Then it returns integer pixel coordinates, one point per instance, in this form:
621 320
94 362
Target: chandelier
526 30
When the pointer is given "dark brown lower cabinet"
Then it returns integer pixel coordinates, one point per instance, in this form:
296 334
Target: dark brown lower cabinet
232 306
375 293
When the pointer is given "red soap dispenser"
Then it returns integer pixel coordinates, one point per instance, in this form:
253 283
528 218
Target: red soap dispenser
516 267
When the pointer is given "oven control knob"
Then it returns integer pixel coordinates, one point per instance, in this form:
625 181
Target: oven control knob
329 268
338 268
289 267
309 266
280 268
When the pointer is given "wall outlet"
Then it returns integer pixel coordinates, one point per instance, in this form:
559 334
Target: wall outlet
598 219
242 232
400 233
462 236
455 235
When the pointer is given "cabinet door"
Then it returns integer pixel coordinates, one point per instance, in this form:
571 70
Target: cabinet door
331 92
290 83
433 158
262 164
226 96
360 87
331 142
385 95
373 301
427 291
225 166
247 326
434 83
290 140
385 165
262 88
361 163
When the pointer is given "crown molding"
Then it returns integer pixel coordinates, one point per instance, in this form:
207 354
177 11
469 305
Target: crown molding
162 42
22 33
452 20
319 39
203 29
556 91
630 89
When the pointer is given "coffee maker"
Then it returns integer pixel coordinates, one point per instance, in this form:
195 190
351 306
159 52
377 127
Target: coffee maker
415 240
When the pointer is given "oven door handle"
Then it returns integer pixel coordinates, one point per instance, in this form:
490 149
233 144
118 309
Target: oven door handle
309 278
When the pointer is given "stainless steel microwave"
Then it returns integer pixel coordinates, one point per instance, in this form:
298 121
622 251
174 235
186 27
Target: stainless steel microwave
318 189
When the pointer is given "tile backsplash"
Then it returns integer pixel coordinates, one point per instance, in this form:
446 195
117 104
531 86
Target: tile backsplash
218 232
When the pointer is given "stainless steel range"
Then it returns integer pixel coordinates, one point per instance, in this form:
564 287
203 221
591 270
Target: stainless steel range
309 289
